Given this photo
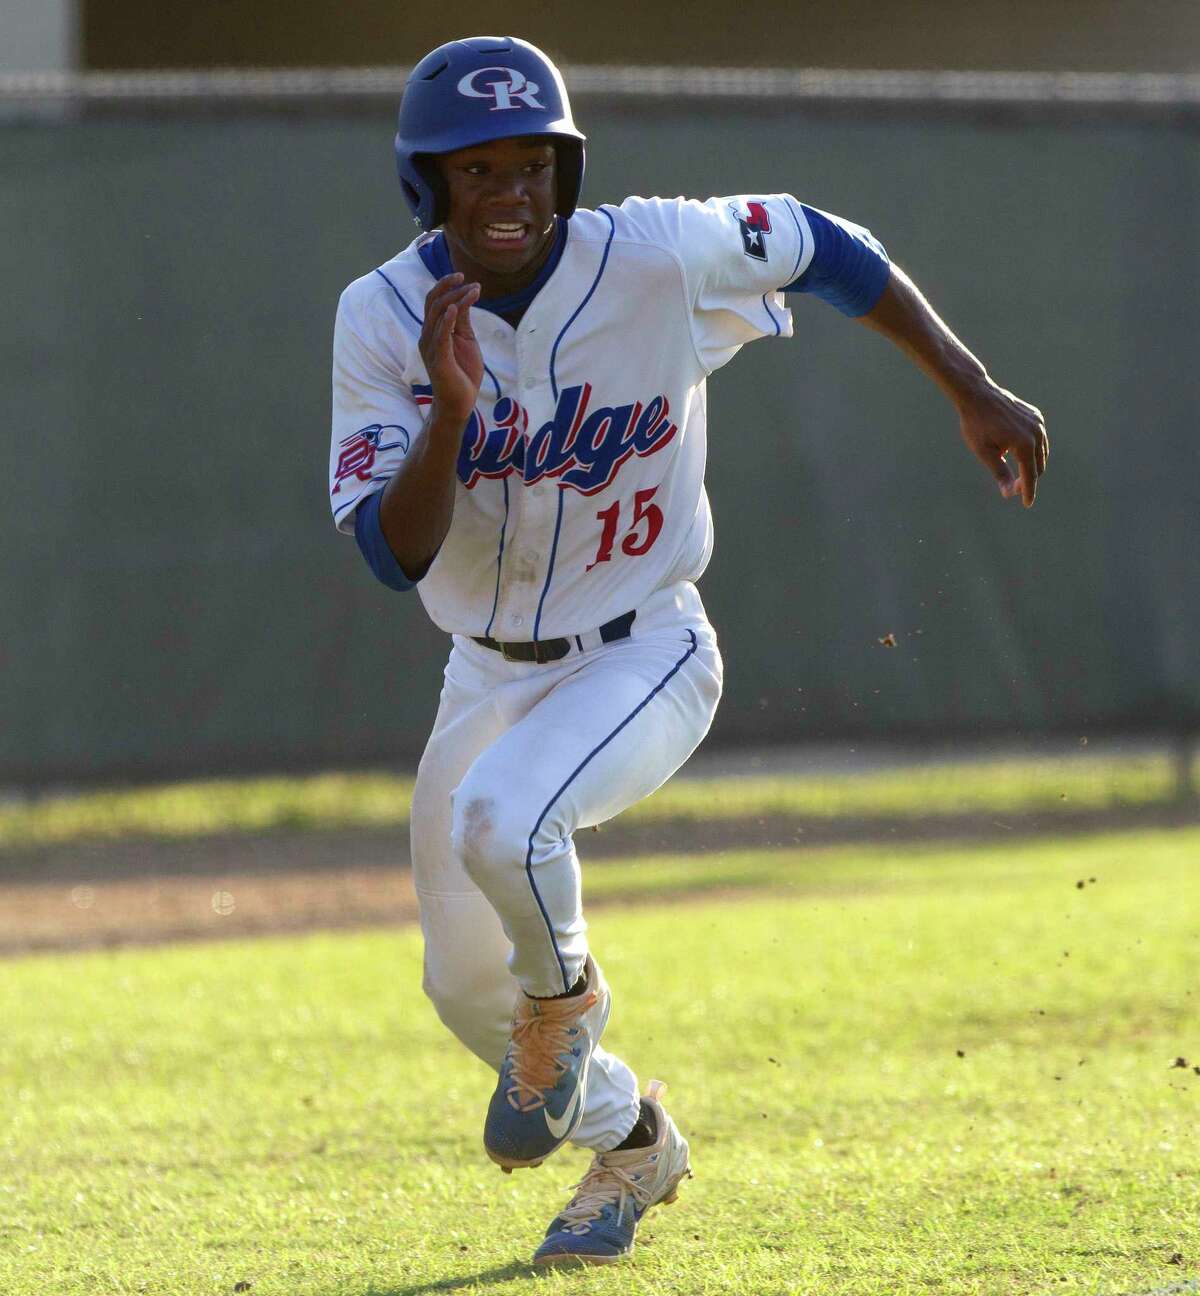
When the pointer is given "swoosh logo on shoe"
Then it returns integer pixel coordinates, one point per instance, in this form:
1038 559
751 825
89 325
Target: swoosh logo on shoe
558 1128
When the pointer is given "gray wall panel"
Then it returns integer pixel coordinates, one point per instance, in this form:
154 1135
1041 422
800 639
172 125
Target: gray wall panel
176 598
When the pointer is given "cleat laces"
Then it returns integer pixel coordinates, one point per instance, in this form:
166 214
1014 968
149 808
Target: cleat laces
542 1032
602 1186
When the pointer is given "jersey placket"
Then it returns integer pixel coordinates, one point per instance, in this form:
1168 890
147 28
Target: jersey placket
526 572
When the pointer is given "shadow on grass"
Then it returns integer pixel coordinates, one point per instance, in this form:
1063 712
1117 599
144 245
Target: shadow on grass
500 1274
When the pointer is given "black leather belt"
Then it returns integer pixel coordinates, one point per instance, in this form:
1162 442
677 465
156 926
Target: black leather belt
549 650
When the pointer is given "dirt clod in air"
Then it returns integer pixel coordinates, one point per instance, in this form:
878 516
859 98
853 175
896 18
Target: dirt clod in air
888 640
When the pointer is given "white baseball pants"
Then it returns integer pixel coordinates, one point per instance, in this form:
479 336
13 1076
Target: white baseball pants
521 755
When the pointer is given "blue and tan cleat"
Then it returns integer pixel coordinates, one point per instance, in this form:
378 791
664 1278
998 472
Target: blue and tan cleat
539 1097
599 1223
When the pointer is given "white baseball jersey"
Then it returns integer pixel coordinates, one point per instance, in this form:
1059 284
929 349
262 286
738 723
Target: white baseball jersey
581 476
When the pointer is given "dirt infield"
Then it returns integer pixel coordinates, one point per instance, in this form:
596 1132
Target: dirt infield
136 892
123 911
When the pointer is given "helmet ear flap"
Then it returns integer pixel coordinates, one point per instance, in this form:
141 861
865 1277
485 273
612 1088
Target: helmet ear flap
412 197
568 162
435 184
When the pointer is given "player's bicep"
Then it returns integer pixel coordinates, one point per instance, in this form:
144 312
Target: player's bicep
849 267
376 416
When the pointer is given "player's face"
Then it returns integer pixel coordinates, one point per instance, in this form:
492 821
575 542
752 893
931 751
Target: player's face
502 199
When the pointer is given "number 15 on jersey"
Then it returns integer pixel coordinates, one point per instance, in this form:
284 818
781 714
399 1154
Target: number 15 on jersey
636 540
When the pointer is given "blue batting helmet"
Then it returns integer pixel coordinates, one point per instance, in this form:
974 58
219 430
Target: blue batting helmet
472 91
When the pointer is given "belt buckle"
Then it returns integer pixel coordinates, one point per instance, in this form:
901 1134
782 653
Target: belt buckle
508 657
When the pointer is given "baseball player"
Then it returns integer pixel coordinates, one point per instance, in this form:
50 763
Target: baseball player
519 423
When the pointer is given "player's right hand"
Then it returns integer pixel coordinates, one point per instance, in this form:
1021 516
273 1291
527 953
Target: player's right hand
449 349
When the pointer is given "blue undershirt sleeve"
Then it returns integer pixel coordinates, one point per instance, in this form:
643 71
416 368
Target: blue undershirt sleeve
849 268
375 548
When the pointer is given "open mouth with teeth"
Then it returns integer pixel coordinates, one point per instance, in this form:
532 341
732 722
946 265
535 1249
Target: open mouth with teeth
505 232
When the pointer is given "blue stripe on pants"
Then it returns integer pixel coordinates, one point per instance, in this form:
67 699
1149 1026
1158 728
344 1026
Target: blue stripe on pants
662 683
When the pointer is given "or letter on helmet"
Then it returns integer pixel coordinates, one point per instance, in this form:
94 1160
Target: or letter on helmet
504 92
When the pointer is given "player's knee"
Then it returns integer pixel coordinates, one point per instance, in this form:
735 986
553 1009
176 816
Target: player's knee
472 827
485 835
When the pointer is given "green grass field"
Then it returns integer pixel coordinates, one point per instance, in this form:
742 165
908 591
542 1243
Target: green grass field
901 1071
331 802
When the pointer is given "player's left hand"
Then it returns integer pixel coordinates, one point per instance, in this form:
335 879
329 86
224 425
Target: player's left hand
996 424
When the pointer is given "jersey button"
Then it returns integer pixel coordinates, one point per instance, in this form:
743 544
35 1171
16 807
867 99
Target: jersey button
518 620
529 382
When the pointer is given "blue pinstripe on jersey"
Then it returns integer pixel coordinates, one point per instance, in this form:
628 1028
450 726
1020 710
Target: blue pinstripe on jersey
400 297
499 558
612 229
800 236
421 324
537 621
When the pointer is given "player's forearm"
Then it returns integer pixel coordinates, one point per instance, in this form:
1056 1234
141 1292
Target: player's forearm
418 503
994 423
905 318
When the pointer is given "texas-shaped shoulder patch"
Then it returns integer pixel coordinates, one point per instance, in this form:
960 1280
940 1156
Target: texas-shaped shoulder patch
754 224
